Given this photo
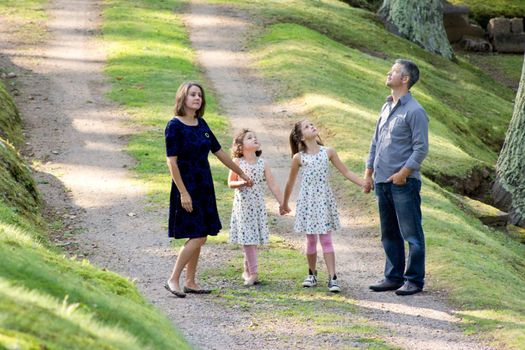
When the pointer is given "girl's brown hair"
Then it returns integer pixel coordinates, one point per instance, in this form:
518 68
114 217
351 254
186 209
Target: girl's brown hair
180 98
296 136
237 144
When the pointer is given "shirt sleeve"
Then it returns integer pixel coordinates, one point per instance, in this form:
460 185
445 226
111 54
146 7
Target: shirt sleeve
173 138
418 122
372 151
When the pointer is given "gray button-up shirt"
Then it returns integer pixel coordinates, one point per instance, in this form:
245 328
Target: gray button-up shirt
400 139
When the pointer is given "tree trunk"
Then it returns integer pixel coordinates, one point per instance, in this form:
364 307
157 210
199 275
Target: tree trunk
509 188
420 21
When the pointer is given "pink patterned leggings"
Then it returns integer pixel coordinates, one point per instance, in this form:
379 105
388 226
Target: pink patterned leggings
326 243
250 258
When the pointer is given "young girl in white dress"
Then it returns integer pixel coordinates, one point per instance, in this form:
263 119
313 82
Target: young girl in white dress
249 221
316 214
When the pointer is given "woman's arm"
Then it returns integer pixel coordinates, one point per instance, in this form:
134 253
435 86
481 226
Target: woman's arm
294 170
272 185
185 198
334 158
226 160
233 178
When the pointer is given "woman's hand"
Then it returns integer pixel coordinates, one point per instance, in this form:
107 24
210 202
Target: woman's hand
284 209
185 201
248 181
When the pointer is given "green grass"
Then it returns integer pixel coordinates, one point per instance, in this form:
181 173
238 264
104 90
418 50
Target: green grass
483 10
53 302
340 81
49 301
26 17
149 58
334 59
504 68
279 301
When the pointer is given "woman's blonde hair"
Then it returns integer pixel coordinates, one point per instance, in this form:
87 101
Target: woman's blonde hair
180 98
237 144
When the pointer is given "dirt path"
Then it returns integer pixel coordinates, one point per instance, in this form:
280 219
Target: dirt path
417 322
77 138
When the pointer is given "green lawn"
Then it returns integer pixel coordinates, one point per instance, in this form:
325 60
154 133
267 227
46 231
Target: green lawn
50 301
483 10
333 59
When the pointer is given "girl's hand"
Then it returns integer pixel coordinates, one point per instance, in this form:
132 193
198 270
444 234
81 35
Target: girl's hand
249 182
185 201
284 209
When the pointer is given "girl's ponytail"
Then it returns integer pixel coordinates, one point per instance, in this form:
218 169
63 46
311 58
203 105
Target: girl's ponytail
296 144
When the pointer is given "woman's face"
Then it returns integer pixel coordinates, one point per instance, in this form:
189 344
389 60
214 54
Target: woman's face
308 130
250 142
193 99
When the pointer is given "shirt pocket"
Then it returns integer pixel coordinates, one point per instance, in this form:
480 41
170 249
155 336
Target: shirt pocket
398 127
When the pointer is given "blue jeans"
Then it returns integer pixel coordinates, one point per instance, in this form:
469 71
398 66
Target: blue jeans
400 213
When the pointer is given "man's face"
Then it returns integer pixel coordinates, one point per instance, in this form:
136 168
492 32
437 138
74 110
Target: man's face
395 77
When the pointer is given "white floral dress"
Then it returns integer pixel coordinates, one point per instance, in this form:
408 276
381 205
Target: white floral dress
249 220
316 211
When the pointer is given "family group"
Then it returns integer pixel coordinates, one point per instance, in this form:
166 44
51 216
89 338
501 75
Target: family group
397 150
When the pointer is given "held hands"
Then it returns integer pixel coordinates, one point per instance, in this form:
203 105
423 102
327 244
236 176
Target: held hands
247 181
368 184
284 209
185 201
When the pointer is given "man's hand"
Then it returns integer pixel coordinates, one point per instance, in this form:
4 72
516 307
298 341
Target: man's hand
369 184
398 179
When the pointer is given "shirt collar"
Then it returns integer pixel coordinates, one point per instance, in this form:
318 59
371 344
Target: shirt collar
404 99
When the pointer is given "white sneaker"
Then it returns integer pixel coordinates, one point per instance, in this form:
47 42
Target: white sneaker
310 281
333 286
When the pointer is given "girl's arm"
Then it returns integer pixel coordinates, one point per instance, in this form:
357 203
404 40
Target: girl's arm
233 178
226 160
272 185
185 198
294 170
334 158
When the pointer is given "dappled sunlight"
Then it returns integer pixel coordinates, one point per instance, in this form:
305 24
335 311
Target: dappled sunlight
73 313
310 102
403 308
96 186
11 233
496 315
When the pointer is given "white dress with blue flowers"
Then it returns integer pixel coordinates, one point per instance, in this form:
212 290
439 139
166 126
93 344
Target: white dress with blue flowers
249 220
316 211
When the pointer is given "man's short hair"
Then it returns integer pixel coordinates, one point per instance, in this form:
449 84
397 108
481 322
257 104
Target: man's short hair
410 69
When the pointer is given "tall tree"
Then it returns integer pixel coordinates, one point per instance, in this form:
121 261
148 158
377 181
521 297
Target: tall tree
420 21
508 191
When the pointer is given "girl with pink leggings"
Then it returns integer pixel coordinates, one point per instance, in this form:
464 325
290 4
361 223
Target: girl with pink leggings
316 214
249 222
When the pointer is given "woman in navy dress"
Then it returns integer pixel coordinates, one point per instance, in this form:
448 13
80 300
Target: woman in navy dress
193 210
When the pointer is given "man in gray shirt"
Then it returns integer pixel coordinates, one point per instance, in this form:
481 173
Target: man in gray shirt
399 145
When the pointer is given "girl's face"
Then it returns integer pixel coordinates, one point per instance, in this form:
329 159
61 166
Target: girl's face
308 130
250 142
194 98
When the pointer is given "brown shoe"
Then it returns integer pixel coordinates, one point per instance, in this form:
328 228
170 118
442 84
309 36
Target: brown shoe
385 285
408 288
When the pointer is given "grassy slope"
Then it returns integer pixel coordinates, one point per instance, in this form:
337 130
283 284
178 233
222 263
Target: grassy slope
48 300
149 59
469 114
343 87
483 10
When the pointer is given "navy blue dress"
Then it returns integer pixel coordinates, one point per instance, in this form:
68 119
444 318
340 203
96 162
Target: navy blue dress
191 145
